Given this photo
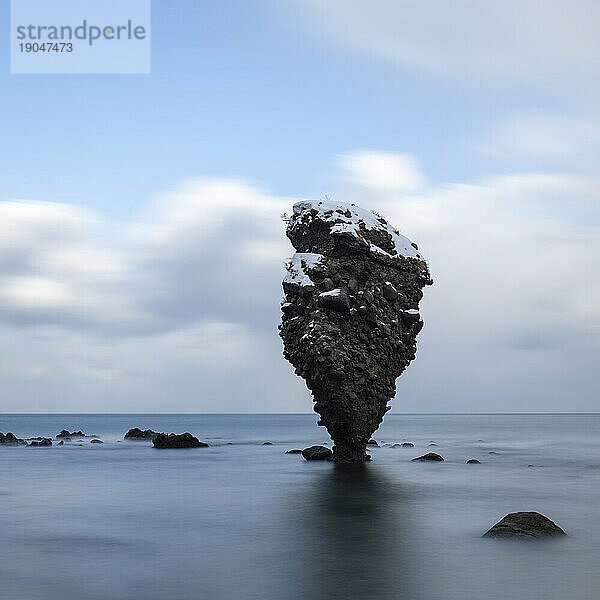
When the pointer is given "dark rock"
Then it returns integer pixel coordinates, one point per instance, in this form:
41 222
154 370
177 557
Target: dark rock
267 443
96 442
372 442
10 439
336 299
317 453
350 343
173 440
294 451
61 443
494 453
65 434
42 442
524 525
430 456
473 461
390 292
137 434
408 445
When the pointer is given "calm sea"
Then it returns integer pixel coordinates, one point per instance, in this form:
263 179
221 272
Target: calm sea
241 520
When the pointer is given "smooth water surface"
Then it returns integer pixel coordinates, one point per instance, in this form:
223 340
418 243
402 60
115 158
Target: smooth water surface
242 520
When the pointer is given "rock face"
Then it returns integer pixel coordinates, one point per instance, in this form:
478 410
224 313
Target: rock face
137 434
317 453
350 315
10 439
524 525
173 440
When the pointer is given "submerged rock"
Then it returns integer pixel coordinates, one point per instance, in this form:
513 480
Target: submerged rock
41 442
524 525
317 453
174 440
10 439
350 316
430 456
137 434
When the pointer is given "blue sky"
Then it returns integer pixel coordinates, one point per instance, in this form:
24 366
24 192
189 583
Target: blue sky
492 107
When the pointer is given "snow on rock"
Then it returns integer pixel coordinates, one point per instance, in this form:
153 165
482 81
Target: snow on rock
350 219
297 266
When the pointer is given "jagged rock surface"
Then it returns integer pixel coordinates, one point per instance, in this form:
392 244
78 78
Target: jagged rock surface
350 315
137 434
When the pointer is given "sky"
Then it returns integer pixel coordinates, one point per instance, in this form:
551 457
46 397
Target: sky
141 245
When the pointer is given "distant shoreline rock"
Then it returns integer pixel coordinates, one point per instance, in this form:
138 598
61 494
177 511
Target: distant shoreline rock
65 434
41 442
174 440
137 434
524 525
10 439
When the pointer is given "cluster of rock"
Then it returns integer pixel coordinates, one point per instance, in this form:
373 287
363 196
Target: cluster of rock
66 434
136 433
10 439
174 440
350 315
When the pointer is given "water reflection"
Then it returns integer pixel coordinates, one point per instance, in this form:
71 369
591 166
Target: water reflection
351 536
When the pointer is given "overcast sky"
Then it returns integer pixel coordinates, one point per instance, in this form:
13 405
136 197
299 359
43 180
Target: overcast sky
141 246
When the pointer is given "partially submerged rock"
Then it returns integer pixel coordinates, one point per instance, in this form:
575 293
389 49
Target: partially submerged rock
350 315
430 456
408 445
65 434
10 439
174 440
96 441
373 443
473 461
525 525
137 434
294 451
41 442
317 453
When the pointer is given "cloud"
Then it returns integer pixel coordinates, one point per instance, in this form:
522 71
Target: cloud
524 41
178 309
516 292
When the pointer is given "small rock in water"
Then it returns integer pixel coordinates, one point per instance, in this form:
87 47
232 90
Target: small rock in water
42 442
61 443
137 434
494 453
294 451
372 442
96 441
173 440
430 456
524 525
267 443
317 453
408 445
65 434
473 461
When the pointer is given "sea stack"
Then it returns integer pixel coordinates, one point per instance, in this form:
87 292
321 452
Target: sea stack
350 315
